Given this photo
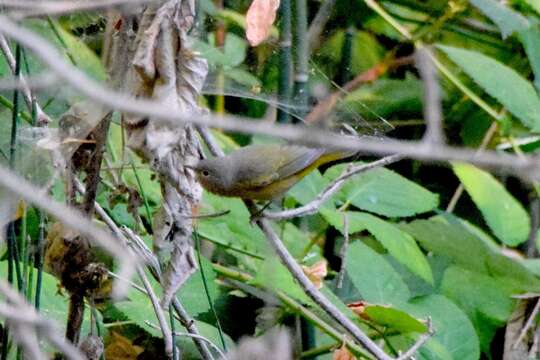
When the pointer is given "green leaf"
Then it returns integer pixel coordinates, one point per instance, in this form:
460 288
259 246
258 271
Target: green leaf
374 277
530 38
242 77
508 20
451 239
501 82
453 329
309 187
385 192
192 294
273 275
503 213
486 300
398 243
394 319
387 97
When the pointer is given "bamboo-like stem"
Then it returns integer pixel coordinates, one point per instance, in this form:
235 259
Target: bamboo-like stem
302 58
285 59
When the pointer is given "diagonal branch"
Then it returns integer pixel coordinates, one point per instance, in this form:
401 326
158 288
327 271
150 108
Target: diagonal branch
331 189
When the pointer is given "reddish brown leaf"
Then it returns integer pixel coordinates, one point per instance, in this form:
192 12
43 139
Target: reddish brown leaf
260 17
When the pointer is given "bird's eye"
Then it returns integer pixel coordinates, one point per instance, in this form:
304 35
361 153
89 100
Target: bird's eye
205 173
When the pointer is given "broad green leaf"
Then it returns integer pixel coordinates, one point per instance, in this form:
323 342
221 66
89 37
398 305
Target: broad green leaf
385 192
232 229
535 4
273 275
501 82
394 319
337 219
503 213
530 38
192 294
386 97
453 329
398 243
451 239
508 20
242 77
309 187
374 277
54 303
486 301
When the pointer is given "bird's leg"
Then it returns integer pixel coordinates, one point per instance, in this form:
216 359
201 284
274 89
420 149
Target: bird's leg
258 214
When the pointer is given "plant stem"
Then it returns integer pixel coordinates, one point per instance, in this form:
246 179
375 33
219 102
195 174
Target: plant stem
285 59
302 58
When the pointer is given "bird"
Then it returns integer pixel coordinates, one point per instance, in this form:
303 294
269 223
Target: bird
262 171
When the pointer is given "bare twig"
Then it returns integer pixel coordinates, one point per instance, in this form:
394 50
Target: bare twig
311 290
72 218
40 8
527 325
343 252
527 167
319 22
459 190
331 189
432 97
20 313
36 82
153 265
421 341
42 118
198 337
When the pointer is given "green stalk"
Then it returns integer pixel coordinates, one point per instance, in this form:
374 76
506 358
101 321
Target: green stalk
143 195
40 246
302 58
285 59
346 55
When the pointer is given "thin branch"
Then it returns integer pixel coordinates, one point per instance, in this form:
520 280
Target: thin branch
528 324
432 97
36 82
42 118
312 291
421 341
71 217
526 167
153 265
21 311
343 251
319 22
313 206
40 8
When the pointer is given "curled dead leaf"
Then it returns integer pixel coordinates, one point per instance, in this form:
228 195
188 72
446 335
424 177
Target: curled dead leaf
316 272
343 354
259 18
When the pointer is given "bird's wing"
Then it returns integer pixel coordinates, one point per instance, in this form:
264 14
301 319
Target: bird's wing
299 159
278 162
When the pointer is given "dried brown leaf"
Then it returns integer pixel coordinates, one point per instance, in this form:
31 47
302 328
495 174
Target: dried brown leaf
259 18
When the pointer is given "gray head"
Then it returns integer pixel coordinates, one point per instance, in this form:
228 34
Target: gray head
214 174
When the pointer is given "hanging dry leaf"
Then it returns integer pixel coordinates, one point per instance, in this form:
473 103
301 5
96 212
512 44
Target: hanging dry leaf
343 354
316 273
260 17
